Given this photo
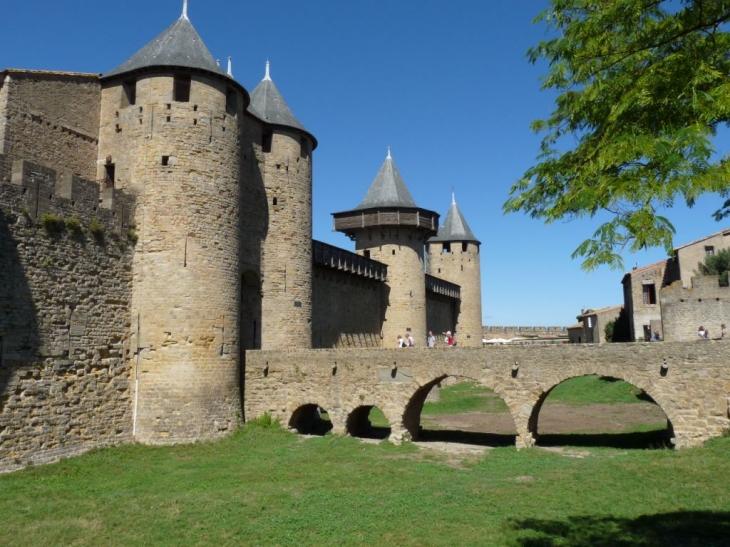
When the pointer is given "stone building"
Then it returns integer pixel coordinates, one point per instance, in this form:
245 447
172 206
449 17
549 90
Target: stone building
156 223
593 323
650 289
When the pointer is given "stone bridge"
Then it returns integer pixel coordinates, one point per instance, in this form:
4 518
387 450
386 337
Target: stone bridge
689 381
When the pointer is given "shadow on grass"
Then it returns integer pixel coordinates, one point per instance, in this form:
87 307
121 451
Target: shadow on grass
641 440
680 529
374 432
466 437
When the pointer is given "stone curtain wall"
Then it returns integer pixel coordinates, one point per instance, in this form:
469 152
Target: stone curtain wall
693 390
64 322
51 119
346 310
684 310
441 316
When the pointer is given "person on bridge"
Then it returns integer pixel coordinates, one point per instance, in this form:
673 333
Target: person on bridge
409 341
401 342
431 340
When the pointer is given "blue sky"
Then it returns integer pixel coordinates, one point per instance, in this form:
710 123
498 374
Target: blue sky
444 83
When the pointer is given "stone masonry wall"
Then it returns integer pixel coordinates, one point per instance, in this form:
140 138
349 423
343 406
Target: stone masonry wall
441 314
346 310
50 118
690 382
401 248
287 253
684 310
64 319
462 265
181 159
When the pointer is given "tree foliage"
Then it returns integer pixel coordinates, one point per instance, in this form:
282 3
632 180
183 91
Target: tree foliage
716 264
643 86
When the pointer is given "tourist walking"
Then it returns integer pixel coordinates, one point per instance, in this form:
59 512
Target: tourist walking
431 340
409 341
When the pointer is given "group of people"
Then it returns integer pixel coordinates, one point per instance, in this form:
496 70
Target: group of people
704 334
407 342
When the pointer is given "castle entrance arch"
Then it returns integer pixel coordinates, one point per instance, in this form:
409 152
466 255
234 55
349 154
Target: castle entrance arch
594 410
461 410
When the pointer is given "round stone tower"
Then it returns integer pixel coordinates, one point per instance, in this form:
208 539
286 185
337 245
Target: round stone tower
169 135
389 227
286 262
453 255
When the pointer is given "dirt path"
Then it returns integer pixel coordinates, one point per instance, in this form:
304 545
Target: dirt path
557 419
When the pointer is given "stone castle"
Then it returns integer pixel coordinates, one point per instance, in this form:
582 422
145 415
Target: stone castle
156 223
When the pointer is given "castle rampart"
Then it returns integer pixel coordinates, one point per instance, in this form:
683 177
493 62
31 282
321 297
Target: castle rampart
65 289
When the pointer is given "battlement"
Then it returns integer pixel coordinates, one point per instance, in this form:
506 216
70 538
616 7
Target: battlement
340 259
439 286
36 190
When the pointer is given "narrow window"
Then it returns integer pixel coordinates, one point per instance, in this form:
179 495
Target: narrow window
367 253
649 294
231 101
304 147
464 246
109 175
276 201
181 88
165 160
266 142
709 250
446 248
129 93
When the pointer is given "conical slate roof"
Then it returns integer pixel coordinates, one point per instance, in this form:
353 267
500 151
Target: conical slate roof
455 227
177 46
388 189
268 105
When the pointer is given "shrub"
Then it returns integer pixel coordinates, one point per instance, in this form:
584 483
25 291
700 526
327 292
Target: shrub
132 236
96 228
52 223
73 225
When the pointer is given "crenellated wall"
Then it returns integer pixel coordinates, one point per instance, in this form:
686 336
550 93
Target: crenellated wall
65 290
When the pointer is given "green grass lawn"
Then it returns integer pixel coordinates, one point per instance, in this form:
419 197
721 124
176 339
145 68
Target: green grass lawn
264 486
587 390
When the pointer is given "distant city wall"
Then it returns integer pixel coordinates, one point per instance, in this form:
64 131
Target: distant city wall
493 331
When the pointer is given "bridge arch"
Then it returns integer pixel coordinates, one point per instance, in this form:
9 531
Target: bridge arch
411 415
646 386
307 419
358 423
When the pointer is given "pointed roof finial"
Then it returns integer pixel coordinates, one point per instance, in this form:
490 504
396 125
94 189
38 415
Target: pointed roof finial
230 66
266 75
388 157
185 9
453 198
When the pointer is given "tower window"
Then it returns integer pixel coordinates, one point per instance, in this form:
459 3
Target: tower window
304 147
181 88
109 174
446 248
266 139
165 160
366 253
464 246
276 201
231 101
129 93
709 250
